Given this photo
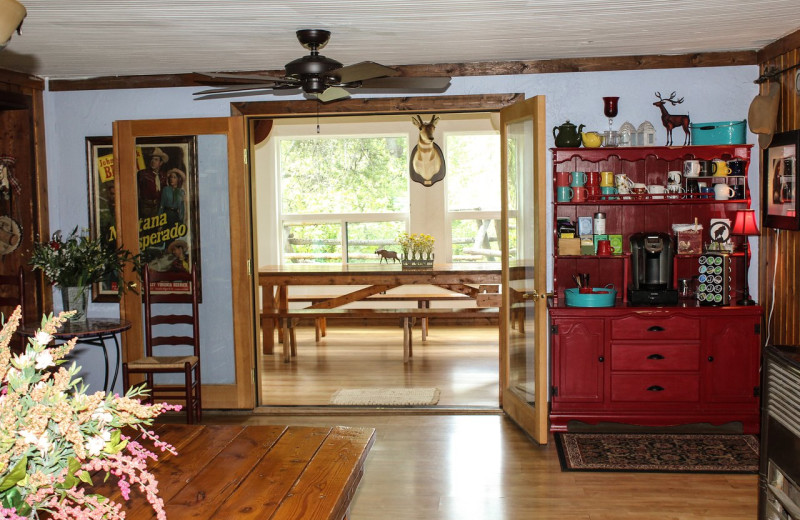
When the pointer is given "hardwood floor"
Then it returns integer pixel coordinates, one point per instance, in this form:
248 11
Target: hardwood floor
482 467
461 361
468 467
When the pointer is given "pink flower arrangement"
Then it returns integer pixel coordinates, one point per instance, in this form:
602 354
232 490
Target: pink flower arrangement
55 439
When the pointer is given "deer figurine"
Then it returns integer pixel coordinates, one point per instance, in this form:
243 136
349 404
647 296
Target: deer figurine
672 121
427 161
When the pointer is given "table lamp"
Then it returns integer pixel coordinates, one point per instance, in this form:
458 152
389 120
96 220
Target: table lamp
745 225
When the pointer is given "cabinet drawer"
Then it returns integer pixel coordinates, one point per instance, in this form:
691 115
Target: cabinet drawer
655 328
655 388
655 356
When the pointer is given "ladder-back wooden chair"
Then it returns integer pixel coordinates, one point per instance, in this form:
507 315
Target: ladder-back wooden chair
169 349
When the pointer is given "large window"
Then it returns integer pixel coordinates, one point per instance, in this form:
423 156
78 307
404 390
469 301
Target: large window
473 196
342 197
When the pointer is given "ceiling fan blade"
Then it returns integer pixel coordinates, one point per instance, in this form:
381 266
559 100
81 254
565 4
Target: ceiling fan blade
237 88
411 83
242 77
333 94
362 71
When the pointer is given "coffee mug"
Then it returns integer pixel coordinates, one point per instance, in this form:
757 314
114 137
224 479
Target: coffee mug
719 168
656 190
737 167
674 177
578 179
621 181
604 248
738 192
606 178
563 194
673 190
692 187
579 194
563 178
706 192
592 178
592 191
723 192
639 188
691 168
608 190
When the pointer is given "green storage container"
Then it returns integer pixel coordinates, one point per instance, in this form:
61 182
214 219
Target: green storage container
720 132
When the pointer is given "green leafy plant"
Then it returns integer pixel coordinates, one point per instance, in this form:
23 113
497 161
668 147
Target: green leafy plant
78 260
56 439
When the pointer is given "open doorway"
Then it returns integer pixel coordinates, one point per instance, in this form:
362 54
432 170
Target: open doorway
320 199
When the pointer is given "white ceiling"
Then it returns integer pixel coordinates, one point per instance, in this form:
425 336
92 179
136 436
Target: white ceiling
64 39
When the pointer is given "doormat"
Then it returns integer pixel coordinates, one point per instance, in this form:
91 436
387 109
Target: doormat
658 452
386 397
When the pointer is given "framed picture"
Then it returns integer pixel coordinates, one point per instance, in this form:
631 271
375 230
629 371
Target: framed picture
781 204
102 207
169 230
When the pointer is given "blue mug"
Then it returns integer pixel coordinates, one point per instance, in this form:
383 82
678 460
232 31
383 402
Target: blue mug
564 194
578 179
707 193
608 190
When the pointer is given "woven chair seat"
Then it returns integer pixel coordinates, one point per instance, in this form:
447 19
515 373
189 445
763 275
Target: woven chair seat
165 362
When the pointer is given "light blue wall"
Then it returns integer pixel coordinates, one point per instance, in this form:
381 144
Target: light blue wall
712 94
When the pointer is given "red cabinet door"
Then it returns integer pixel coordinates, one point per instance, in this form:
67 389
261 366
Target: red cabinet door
578 360
732 361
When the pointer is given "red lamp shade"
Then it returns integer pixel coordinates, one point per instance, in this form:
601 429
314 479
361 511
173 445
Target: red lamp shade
745 223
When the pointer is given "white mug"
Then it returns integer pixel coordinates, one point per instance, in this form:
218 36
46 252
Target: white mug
723 192
673 190
691 168
674 176
657 190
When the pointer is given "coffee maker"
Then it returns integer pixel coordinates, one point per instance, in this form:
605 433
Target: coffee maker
651 257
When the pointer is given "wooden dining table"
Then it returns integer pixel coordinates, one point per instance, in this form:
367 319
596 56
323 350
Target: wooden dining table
275 282
253 472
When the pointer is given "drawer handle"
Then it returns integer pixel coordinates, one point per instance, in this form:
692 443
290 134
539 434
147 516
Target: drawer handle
711 359
655 328
655 388
655 356
601 359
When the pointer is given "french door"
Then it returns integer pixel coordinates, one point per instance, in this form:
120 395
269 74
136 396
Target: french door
523 318
220 236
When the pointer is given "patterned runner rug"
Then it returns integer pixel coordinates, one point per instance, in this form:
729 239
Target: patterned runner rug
386 397
658 452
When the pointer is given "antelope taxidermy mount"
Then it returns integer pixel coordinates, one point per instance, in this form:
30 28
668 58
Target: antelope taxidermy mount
672 121
427 162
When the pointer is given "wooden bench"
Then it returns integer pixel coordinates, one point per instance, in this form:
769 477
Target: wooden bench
288 318
423 302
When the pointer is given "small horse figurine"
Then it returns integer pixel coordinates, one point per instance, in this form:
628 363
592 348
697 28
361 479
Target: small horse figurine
427 162
672 121
385 254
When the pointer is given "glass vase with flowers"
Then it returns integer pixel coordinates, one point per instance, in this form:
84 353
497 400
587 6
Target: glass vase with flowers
417 250
77 261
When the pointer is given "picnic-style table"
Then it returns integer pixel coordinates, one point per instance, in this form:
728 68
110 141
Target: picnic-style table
256 472
374 279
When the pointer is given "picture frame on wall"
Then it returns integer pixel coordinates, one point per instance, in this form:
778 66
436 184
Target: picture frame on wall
167 203
779 188
102 206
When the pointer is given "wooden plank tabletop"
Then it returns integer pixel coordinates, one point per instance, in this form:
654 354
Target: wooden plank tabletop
249 472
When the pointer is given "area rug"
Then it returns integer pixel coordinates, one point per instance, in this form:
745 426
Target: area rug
386 397
658 452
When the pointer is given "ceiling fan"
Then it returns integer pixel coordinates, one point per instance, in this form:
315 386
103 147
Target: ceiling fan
318 77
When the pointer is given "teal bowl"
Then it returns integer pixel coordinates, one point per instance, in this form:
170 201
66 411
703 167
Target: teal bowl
599 297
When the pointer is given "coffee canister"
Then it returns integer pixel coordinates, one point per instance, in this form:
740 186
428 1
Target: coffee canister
599 223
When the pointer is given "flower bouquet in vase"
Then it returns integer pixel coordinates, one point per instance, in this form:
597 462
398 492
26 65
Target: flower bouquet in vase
417 250
76 262
57 442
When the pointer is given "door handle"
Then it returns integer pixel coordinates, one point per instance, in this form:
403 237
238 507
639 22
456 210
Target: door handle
534 295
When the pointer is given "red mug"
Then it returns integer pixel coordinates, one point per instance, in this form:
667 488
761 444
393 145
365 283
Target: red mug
604 248
579 194
563 178
592 179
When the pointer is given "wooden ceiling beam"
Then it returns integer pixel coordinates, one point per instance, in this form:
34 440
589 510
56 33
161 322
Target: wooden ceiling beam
489 68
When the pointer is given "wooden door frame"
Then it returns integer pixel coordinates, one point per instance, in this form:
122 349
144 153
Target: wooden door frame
240 394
